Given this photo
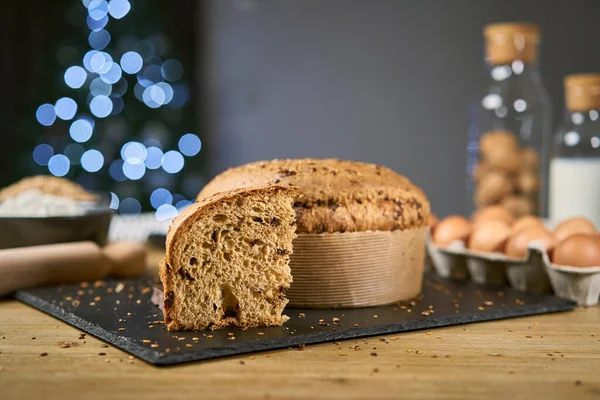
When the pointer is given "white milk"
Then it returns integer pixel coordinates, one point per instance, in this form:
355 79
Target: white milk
575 188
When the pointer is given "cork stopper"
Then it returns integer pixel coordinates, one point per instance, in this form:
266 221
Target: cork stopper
582 92
507 42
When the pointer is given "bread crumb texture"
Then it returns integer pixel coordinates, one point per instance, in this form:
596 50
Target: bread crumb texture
226 261
335 195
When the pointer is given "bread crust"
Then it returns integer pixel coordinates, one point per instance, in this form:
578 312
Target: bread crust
48 184
335 195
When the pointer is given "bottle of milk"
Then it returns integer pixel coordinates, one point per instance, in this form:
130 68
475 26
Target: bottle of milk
575 163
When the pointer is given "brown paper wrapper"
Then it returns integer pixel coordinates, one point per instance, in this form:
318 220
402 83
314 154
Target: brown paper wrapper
356 269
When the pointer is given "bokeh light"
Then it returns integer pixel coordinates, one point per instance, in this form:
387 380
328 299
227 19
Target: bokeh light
130 206
92 160
120 87
134 171
98 9
131 62
87 58
59 165
101 106
118 105
180 96
100 87
168 91
159 197
113 74
45 114
101 62
153 74
99 39
81 130
116 171
172 162
172 70
133 152
166 212
189 144
65 108
114 201
75 77
96 25
182 205
154 157
118 8
42 153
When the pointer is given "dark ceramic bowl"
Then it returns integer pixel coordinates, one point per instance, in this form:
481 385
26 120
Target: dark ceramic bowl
32 231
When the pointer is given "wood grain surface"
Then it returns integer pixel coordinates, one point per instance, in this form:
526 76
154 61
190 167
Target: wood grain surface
549 356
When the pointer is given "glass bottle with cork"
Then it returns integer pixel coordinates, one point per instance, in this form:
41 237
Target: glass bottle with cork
511 133
575 163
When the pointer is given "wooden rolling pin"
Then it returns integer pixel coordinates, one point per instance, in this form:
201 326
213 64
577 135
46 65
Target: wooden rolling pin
27 267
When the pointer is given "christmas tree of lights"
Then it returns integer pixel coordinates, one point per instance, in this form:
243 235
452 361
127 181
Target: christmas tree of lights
123 118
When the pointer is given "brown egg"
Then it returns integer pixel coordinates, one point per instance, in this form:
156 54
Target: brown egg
528 182
492 213
578 250
451 229
529 159
489 236
433 220
572 226
492 187
525 222
516 246
518 205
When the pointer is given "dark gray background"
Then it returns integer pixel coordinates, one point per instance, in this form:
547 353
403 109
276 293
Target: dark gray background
381 81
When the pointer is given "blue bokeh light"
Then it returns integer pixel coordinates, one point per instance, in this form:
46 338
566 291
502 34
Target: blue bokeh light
183 204
131 62
168 91
75 77
166 212
114 201
113 74
99 87
59 165
189 144
99 39
159 197
100 62
118 8
154 157
172 162
98 9
96 25
118 105
180 96
81 130
152 73
45 114
130 206
42 154
87 58
120 88
65 108
133 153
134 171
116 171
148 99
172 70
92 160
101 106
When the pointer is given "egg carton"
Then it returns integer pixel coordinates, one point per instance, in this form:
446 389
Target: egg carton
535 274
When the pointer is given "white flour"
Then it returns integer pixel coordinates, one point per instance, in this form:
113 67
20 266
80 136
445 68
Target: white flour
33 203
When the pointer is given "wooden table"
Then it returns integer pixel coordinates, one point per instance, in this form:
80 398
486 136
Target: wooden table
550 356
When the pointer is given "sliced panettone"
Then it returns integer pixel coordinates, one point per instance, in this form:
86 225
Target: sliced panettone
226 261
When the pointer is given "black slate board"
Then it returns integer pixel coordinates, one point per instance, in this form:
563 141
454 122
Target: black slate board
101 309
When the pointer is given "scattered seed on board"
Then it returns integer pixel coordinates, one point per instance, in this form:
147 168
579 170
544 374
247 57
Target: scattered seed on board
154 345
43 354
146 341
121 329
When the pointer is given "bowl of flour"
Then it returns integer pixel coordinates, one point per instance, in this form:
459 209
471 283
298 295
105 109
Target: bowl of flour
34 218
